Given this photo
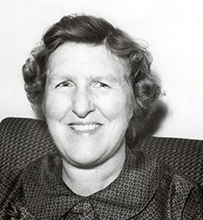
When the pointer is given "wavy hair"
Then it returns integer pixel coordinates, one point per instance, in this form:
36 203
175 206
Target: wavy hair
145 89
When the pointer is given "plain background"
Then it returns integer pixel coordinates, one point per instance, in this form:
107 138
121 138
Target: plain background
173 30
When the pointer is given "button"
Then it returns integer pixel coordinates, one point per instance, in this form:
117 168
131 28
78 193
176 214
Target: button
81 207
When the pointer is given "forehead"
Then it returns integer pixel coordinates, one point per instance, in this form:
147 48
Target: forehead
86 58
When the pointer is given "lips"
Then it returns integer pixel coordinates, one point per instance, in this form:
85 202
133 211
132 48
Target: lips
85 127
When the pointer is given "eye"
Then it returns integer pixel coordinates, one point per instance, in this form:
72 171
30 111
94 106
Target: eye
101 85
64 84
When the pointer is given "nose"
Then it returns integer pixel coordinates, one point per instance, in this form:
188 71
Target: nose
82 104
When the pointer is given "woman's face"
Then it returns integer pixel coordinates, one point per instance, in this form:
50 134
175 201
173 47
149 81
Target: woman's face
87 103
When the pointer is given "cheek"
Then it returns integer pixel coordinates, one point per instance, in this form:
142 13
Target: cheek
55 107
118 106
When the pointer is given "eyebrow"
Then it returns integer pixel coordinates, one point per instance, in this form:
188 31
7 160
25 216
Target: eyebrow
110 78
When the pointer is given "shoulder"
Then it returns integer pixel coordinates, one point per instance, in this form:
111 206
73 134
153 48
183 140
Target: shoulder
165 172
9 179
12 176
12 180
183 194
10 188
173 192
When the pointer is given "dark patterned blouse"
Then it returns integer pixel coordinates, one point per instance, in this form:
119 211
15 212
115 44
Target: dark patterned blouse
145 189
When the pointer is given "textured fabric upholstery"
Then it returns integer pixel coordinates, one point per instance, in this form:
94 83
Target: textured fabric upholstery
23 140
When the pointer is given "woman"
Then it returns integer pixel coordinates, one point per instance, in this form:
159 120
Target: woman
92 84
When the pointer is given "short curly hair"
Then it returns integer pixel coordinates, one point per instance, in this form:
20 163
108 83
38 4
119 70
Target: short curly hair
85 29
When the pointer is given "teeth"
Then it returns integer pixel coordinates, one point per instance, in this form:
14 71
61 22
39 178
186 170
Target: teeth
85 128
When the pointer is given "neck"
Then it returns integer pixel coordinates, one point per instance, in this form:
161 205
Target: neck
86 181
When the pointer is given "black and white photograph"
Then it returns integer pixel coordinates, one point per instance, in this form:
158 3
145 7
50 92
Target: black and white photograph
101 107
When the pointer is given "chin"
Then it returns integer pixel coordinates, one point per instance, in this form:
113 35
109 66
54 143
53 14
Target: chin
86 164
82 161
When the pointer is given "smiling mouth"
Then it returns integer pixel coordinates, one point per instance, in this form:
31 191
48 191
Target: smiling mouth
84 127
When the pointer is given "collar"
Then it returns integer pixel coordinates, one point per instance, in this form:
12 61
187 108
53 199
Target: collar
47 196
